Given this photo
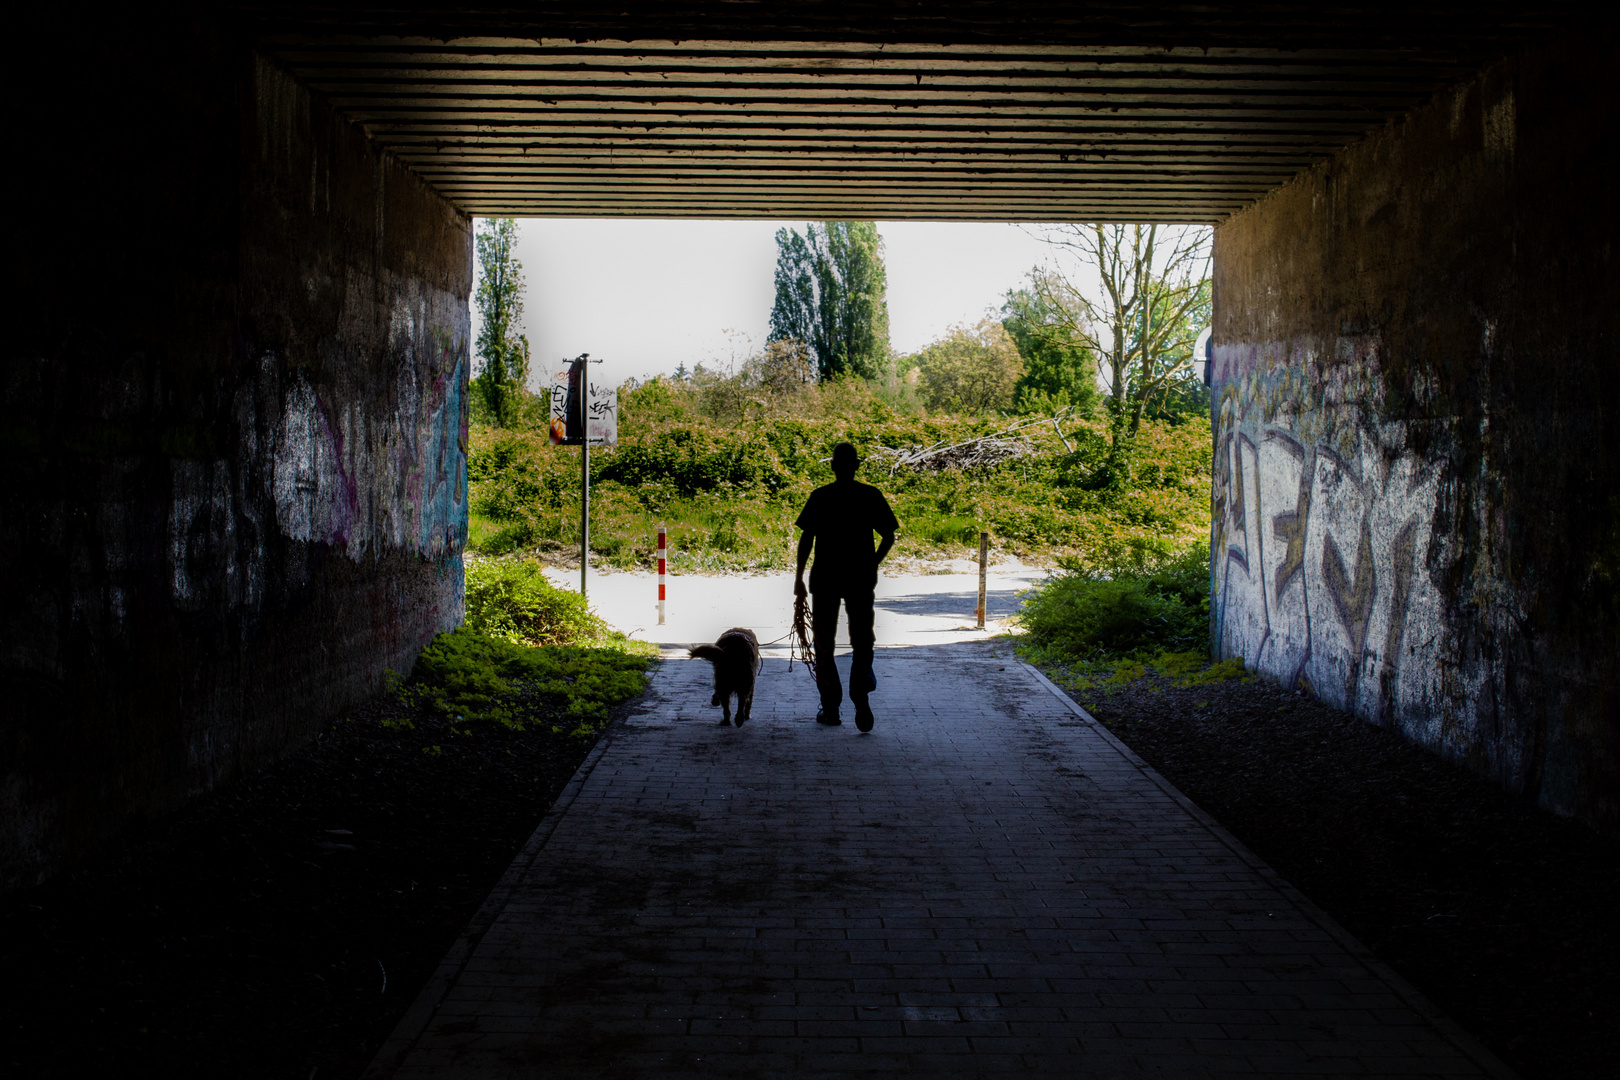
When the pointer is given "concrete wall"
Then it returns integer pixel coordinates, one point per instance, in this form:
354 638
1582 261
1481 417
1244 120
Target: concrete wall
1417 410
234 414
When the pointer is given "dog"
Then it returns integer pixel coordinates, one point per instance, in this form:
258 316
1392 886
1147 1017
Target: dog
735 657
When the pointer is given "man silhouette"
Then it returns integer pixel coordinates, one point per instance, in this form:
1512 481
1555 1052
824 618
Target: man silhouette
838 522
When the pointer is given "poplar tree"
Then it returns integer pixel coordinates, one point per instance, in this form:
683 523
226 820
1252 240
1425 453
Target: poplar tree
831 294
503 374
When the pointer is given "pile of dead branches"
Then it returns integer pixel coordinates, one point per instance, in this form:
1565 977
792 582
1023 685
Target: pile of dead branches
980 452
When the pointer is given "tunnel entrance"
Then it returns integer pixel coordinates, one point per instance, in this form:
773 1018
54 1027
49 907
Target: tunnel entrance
240 487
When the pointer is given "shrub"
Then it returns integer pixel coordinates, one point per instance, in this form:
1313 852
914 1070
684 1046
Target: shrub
511 600
1155 606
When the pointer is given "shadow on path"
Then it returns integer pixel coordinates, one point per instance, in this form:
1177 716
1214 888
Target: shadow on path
987 884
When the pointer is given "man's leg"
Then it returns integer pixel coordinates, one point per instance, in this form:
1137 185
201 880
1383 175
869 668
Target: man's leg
824 639
862 640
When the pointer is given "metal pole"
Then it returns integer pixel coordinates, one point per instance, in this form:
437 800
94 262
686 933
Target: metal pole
584 471
984 554
663 554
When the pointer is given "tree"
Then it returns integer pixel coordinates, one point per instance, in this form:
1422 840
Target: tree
1141 317
830 294
781 370
503 376
1059 372
970 369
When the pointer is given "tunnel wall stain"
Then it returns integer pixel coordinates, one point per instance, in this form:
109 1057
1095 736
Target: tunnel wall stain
1416 504
235 420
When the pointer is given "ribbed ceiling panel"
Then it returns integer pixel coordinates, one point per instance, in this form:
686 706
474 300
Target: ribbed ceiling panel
968 127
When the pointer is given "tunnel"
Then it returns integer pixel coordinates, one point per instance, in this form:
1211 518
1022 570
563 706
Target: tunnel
236 402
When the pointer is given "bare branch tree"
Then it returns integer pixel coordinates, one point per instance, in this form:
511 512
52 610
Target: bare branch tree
1140 318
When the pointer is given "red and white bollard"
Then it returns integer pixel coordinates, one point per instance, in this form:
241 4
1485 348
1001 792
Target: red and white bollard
663 563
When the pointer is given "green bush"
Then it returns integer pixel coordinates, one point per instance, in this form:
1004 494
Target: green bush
1154 606
475 678
511 600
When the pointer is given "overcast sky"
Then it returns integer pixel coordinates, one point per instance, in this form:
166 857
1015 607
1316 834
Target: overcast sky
648 295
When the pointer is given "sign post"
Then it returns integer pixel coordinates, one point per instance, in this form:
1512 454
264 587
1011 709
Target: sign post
583 414
584 469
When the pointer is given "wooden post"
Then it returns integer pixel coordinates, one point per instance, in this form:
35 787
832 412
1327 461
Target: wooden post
984 558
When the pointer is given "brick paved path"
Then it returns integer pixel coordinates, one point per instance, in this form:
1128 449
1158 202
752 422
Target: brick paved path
986 884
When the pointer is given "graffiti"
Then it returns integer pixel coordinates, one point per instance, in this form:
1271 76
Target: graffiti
359 473
1352 597
1323 593
1289 527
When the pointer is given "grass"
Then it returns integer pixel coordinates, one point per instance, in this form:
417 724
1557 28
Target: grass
730 488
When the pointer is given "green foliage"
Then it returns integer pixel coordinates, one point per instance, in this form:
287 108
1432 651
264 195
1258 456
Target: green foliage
1059 370
971 369
1175 328
729 489
1142 604
1086 678
529 652
1138 307
1183 396
478 679
500 386
510 599
831 294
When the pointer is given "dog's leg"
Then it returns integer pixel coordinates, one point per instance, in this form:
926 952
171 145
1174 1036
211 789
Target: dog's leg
725 711
745 706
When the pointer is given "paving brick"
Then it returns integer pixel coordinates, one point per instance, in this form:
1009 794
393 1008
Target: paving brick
985 885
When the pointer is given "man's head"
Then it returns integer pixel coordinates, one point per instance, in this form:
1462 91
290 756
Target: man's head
844 461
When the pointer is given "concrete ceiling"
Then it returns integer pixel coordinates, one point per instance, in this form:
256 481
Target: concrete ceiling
1009 111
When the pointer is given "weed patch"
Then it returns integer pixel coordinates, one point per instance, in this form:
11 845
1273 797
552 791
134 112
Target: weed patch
477 679
529 653
1095 632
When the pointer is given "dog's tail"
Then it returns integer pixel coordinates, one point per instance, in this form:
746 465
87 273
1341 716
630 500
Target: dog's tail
712 653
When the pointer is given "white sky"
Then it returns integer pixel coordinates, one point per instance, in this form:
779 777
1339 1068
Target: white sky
647 295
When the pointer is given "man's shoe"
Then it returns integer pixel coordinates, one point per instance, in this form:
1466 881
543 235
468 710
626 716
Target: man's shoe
828 718
863 716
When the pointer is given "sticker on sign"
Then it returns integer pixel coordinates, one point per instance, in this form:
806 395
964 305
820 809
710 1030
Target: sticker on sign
600 414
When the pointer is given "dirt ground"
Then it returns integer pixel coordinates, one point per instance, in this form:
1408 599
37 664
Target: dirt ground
1501 914
280 927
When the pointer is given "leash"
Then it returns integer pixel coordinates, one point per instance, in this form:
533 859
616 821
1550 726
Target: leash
801 648
798 637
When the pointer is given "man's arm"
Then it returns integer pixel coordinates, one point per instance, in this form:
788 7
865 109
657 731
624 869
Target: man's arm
885 526
806 539
883 548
